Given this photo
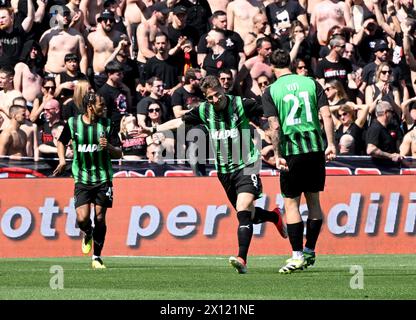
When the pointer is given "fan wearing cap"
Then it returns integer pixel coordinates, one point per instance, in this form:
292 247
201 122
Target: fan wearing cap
103 42
179 26
382 53
147 30
113 6
61 40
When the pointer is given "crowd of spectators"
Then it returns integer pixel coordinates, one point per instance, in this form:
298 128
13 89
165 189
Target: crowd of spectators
146 59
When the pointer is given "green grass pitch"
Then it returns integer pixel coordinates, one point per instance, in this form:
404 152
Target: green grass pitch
210 278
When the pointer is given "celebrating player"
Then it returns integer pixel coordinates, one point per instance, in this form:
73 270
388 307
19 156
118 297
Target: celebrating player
292 104
237 159
91 169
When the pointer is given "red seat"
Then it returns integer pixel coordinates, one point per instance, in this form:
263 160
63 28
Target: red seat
367 171
267 173
179 173
16 172
338 171
408 171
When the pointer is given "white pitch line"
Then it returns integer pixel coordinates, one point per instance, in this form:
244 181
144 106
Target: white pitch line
167 257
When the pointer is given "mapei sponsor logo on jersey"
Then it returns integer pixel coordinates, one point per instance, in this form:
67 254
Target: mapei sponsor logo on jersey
88 148
224 134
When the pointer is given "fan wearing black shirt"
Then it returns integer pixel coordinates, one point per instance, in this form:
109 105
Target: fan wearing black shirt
12 36
190 95
179 26
131 73
116 96
163 65
198 14
283 11
156 96
334 66
232 40
65 81
381 144
179 30
218 58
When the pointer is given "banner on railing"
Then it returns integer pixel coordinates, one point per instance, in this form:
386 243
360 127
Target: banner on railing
192 216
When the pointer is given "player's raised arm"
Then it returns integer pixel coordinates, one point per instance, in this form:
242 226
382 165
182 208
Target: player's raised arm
170 125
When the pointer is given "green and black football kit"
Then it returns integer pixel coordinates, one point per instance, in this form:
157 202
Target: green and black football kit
91 166
237 158
295 100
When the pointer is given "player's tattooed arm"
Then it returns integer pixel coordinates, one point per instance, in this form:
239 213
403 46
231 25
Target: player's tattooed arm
275 129
274 125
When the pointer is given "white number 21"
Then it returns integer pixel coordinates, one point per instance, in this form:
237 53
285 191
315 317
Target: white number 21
291 120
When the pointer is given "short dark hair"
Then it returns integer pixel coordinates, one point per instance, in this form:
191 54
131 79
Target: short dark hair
5 4
260 41
218 13
153 79
108 3
22 99
280 59
47 79
113 66
210 82
71 56
226 71
15 108
190 74
8 70
161 34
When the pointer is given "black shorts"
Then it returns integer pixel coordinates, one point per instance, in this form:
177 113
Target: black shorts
243 180
100 194
306 174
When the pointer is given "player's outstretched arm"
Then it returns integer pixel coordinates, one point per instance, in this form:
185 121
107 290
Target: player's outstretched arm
62 162
169 125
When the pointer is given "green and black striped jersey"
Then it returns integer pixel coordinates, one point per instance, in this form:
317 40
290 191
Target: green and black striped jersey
229 131
91 164
295 100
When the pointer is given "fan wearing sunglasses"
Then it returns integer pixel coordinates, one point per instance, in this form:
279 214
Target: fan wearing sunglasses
102 42
48 93
164 141
350 119
382 89
334 65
